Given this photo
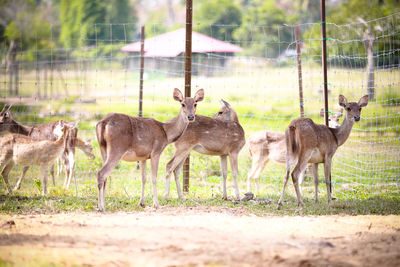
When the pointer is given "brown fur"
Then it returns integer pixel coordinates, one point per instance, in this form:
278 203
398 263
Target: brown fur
123 137
44 131
308 142
219 136
27 151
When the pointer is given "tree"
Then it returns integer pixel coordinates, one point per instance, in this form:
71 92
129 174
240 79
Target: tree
22 24
218 18
262 30
363 27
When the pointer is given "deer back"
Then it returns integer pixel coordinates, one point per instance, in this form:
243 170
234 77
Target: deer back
138 136
304 134
213 136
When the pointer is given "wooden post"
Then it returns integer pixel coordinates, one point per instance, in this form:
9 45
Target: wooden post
188 76
141 72
298 48
324 68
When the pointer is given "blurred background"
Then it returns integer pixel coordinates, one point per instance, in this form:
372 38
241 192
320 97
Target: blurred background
79 60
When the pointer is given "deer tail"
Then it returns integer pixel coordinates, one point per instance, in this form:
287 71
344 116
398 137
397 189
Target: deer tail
292 144
99 133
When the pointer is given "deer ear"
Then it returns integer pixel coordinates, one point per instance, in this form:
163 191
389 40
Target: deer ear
199 96
363 101
342 101
73 125
178 95
224 103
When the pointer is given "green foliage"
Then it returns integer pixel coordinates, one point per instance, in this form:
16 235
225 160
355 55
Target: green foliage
89 22
262 24
218 18
360 17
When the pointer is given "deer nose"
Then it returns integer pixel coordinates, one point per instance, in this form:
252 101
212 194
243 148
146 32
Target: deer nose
190 117
357 118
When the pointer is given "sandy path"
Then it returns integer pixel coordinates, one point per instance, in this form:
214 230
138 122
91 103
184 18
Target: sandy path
199 236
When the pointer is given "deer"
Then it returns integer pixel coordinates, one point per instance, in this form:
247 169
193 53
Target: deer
68 157
128 138
266 145
27 151
307 142
221 136
45 132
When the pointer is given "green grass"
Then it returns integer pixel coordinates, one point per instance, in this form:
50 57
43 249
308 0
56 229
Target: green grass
365 170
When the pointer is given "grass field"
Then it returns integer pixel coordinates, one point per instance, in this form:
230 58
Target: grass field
366 172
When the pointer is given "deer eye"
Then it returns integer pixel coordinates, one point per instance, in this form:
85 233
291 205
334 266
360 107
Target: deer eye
183 105
195 105
348 108
220 113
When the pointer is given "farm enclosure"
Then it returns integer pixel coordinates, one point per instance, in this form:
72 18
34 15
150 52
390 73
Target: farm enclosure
85 83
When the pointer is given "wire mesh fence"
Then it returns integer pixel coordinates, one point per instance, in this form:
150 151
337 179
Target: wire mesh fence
93 77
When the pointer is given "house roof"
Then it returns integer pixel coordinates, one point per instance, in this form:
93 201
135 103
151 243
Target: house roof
172 44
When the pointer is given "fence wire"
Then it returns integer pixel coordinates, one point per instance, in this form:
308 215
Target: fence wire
86 82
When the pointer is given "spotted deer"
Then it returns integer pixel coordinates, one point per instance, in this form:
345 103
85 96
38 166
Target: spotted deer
265 146
221 136
44 131
307 142
27 151
123 137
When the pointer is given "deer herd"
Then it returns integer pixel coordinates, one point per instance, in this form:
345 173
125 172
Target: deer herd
128 138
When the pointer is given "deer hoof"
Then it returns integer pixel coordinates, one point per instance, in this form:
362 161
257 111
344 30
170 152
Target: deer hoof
141 204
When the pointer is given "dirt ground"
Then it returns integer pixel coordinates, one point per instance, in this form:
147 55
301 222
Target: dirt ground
206 236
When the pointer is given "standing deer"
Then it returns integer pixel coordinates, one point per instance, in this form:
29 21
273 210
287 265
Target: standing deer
219 136
307 142
45 132
123 137
271 145
68 157
27 151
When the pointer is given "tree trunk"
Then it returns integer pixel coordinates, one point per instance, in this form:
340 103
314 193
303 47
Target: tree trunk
369 47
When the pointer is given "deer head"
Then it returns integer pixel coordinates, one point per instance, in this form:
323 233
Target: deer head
189 104
6 119
88 149
333 118
62 128
353 109
226 112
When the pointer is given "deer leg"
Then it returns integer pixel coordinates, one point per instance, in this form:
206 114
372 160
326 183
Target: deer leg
255 171
52 174
43 171
18 184
297 172
142 165
233 158
177 173
179 157
288 167
224 170
71 161
327 172
66 170
5 173
102 175
154 168
314 172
